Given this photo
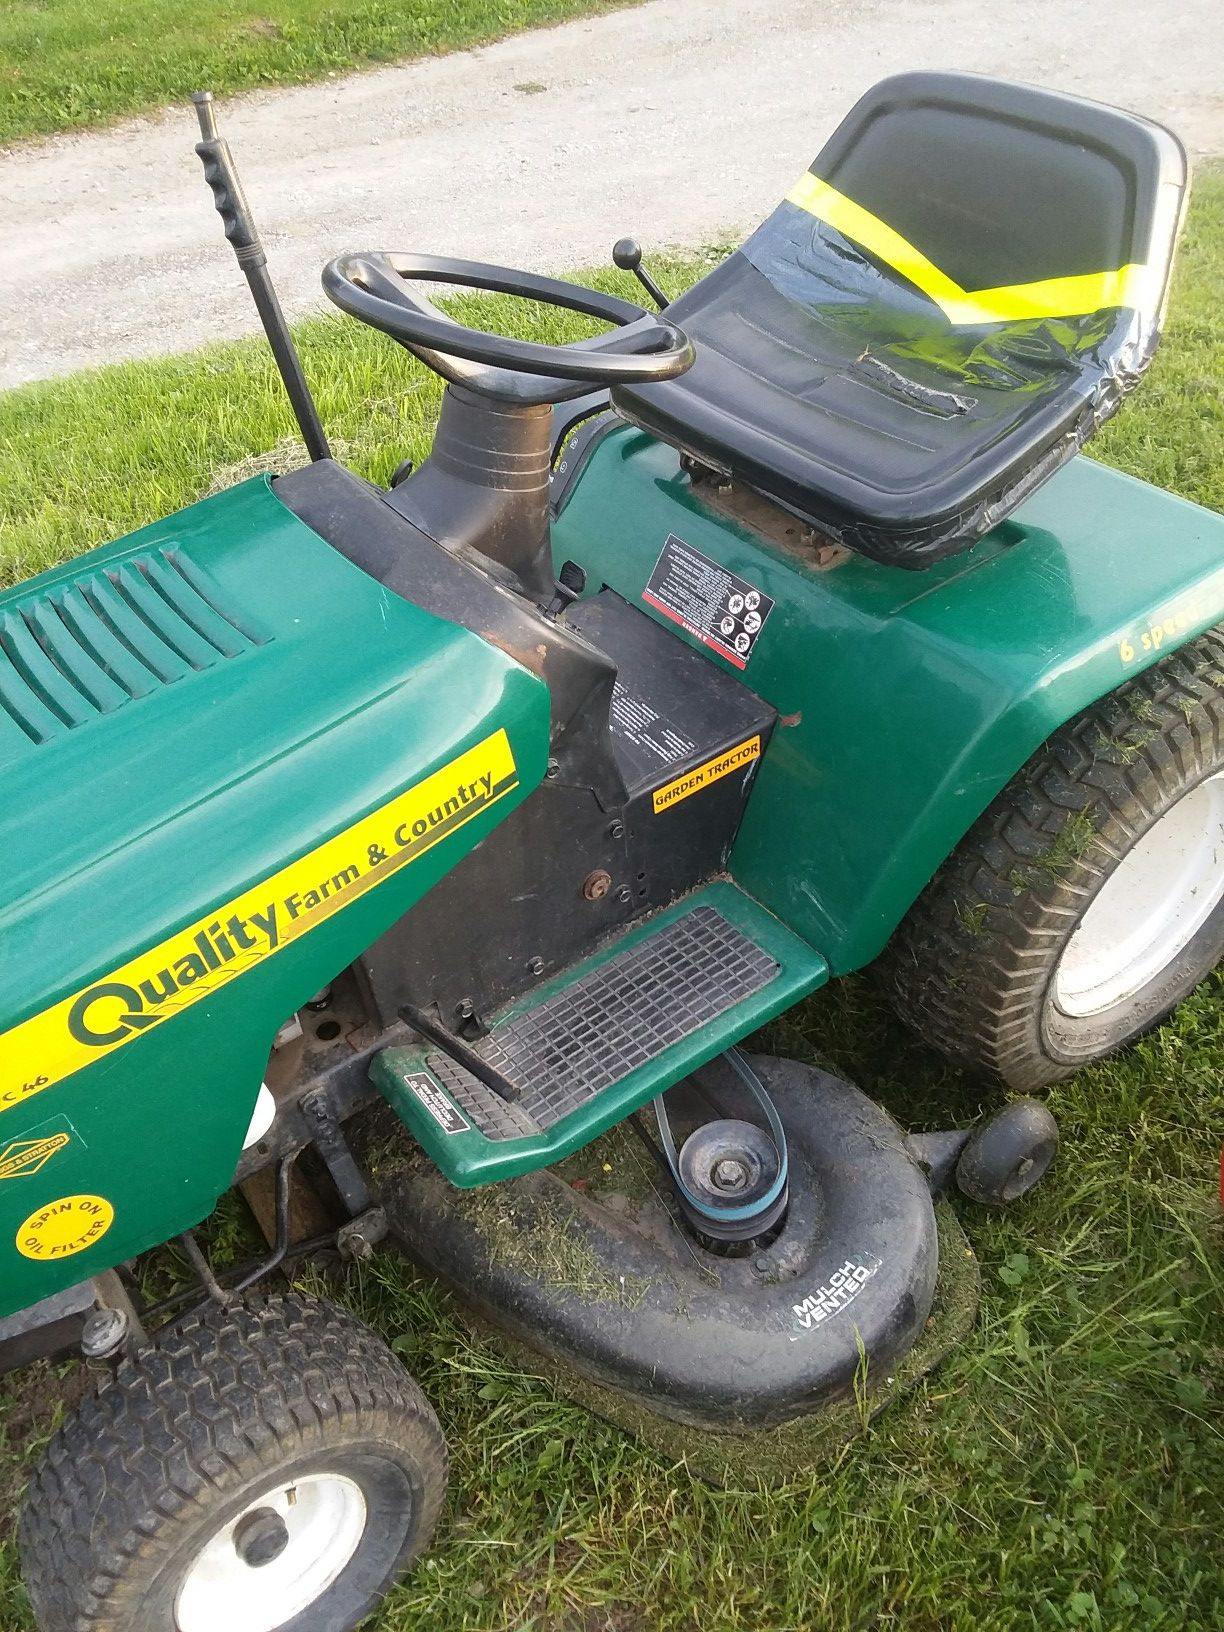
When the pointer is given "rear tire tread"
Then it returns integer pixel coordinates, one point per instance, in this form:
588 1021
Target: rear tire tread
965 966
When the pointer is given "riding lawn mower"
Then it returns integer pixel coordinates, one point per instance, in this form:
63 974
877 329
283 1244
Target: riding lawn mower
767 634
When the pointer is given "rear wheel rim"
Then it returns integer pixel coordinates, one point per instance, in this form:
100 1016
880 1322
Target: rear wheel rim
1149 909
325 1516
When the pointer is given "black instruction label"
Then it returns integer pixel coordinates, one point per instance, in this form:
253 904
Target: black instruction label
448 1117
636 722
726 613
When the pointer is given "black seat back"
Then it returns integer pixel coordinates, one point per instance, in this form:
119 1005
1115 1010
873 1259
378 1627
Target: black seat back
1003 187
944 308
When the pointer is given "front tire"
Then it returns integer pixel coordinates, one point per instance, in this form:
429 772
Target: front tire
265 1468
1088 900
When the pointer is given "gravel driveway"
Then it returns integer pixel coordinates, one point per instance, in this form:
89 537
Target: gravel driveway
679 121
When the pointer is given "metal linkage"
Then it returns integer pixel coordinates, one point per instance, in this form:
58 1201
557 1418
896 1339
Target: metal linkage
217 1292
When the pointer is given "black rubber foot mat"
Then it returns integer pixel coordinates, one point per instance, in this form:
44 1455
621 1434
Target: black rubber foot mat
564 1051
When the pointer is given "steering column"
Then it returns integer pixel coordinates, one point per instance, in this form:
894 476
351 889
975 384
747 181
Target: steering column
484 487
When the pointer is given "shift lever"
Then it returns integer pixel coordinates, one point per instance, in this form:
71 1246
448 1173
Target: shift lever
627 253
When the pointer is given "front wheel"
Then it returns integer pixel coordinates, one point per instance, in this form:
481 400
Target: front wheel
265 1468
1089 899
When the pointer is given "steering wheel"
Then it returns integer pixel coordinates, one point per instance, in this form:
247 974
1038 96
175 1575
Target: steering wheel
375 287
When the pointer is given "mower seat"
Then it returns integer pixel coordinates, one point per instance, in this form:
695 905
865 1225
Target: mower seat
959 291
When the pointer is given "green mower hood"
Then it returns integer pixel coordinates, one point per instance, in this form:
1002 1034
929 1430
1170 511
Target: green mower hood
230 760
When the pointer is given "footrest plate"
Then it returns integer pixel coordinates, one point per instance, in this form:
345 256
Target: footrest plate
595 1043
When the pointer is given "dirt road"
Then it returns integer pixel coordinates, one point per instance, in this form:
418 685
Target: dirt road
679 121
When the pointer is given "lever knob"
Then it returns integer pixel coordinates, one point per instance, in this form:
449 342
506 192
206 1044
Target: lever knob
627 253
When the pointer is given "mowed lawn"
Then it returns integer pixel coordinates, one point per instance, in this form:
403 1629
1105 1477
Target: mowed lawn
1065 1469
65 64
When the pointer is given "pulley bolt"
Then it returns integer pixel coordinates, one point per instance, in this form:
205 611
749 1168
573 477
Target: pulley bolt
729 1174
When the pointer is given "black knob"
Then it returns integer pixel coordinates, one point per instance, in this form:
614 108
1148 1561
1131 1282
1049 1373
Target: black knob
260 1537
627 253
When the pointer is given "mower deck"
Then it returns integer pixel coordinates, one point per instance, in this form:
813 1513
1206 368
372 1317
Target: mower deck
796 1449
592 1264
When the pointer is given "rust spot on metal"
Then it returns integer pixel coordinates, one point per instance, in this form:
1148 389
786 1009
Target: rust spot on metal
596 885
531 657
831 555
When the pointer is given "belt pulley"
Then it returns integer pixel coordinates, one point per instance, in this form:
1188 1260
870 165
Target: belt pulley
730 1175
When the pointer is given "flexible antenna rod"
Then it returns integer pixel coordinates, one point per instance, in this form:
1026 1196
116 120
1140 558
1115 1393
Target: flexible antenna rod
222 176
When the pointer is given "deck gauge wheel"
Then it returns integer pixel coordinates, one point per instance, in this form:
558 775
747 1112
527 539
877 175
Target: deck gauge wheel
1006 1156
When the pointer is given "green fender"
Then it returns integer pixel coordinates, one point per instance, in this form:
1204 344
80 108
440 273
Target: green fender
907 699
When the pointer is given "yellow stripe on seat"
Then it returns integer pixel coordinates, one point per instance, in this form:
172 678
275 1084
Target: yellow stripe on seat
1051 297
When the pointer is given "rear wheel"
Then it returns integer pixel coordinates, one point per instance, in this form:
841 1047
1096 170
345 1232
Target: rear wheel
265 1468
1089 899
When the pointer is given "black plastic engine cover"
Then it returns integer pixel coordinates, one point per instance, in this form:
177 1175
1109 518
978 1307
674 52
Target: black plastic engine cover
569 867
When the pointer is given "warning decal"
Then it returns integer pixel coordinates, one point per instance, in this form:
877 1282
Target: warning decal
702 775
724 612
126 1002
448 1117
636 722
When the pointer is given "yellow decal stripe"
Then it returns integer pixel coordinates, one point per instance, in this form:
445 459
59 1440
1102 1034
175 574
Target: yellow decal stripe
1051 297
194 962
701 776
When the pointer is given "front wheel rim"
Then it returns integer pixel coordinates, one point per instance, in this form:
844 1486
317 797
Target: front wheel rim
325 1516
1149 909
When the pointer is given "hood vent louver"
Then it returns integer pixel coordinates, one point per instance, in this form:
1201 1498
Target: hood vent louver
87 647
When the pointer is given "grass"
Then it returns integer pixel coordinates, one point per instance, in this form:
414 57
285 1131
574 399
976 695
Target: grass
67 64
1063 1470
